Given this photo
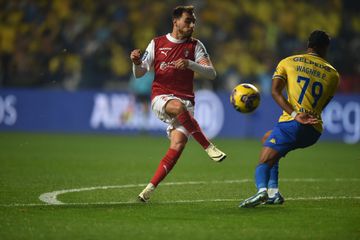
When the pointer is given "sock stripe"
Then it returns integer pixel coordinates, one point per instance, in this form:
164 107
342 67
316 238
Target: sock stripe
165 166
166 170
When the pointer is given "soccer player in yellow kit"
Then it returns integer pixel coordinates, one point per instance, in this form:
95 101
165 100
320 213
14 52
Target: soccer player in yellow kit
310 82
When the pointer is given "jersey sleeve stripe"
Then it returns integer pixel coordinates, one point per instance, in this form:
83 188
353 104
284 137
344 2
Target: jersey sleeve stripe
203 62
279 76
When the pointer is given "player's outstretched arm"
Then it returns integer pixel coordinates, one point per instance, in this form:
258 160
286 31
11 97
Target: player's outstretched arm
135 57
204 67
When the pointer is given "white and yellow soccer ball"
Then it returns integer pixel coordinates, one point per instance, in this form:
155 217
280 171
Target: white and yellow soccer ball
245 98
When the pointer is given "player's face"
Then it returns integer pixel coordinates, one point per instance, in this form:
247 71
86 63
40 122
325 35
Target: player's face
186 24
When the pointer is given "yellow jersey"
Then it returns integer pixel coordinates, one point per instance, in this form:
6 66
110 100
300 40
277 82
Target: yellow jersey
311 82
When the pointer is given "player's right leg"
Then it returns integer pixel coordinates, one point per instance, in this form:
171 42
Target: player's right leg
177 143
177 109
292 135
273 186
268 157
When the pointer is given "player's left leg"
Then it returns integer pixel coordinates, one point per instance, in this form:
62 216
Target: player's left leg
177 144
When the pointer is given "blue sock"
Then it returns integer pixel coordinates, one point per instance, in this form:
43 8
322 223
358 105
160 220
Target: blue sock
274 176
262 174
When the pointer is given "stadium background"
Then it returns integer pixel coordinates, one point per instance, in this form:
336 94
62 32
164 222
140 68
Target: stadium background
73 121
66 62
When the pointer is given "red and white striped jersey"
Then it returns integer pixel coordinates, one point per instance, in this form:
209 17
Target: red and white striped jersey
160 56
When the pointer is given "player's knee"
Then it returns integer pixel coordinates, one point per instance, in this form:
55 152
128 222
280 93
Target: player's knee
175 107
268 156
178 145
179 108
269 161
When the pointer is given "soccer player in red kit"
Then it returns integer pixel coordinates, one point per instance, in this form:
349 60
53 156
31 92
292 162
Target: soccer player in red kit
174 58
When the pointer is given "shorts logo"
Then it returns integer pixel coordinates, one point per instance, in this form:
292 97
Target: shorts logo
273 141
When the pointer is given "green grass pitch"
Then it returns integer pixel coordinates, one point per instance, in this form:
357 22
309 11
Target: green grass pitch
198 200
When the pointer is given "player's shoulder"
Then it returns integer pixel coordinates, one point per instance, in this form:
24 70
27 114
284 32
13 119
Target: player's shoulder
287 60
194 40
335 73
327 66
331 67
333 70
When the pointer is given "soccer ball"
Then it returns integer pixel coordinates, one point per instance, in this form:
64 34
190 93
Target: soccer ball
245 98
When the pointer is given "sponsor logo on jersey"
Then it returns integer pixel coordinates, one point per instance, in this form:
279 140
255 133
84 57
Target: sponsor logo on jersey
165 65
308 61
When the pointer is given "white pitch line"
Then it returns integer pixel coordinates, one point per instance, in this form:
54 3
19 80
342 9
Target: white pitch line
50 198
172 202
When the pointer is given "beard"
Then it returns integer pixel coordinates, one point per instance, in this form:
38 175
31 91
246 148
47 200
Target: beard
186 34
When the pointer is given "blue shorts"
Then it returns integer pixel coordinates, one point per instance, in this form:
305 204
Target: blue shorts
287 136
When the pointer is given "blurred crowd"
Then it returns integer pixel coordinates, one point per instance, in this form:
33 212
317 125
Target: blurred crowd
72 44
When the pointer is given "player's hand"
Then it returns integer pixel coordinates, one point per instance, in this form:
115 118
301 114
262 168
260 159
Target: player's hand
181 63
305 118
135 56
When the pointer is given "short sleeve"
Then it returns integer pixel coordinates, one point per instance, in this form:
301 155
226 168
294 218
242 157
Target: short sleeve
148 56
280 71
200 51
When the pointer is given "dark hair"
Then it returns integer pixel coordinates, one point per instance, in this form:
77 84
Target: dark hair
318 39
179 10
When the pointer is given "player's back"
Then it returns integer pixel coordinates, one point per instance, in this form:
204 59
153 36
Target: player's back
310 83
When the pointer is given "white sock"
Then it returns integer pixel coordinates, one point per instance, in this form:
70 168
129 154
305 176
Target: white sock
262 189
272 192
